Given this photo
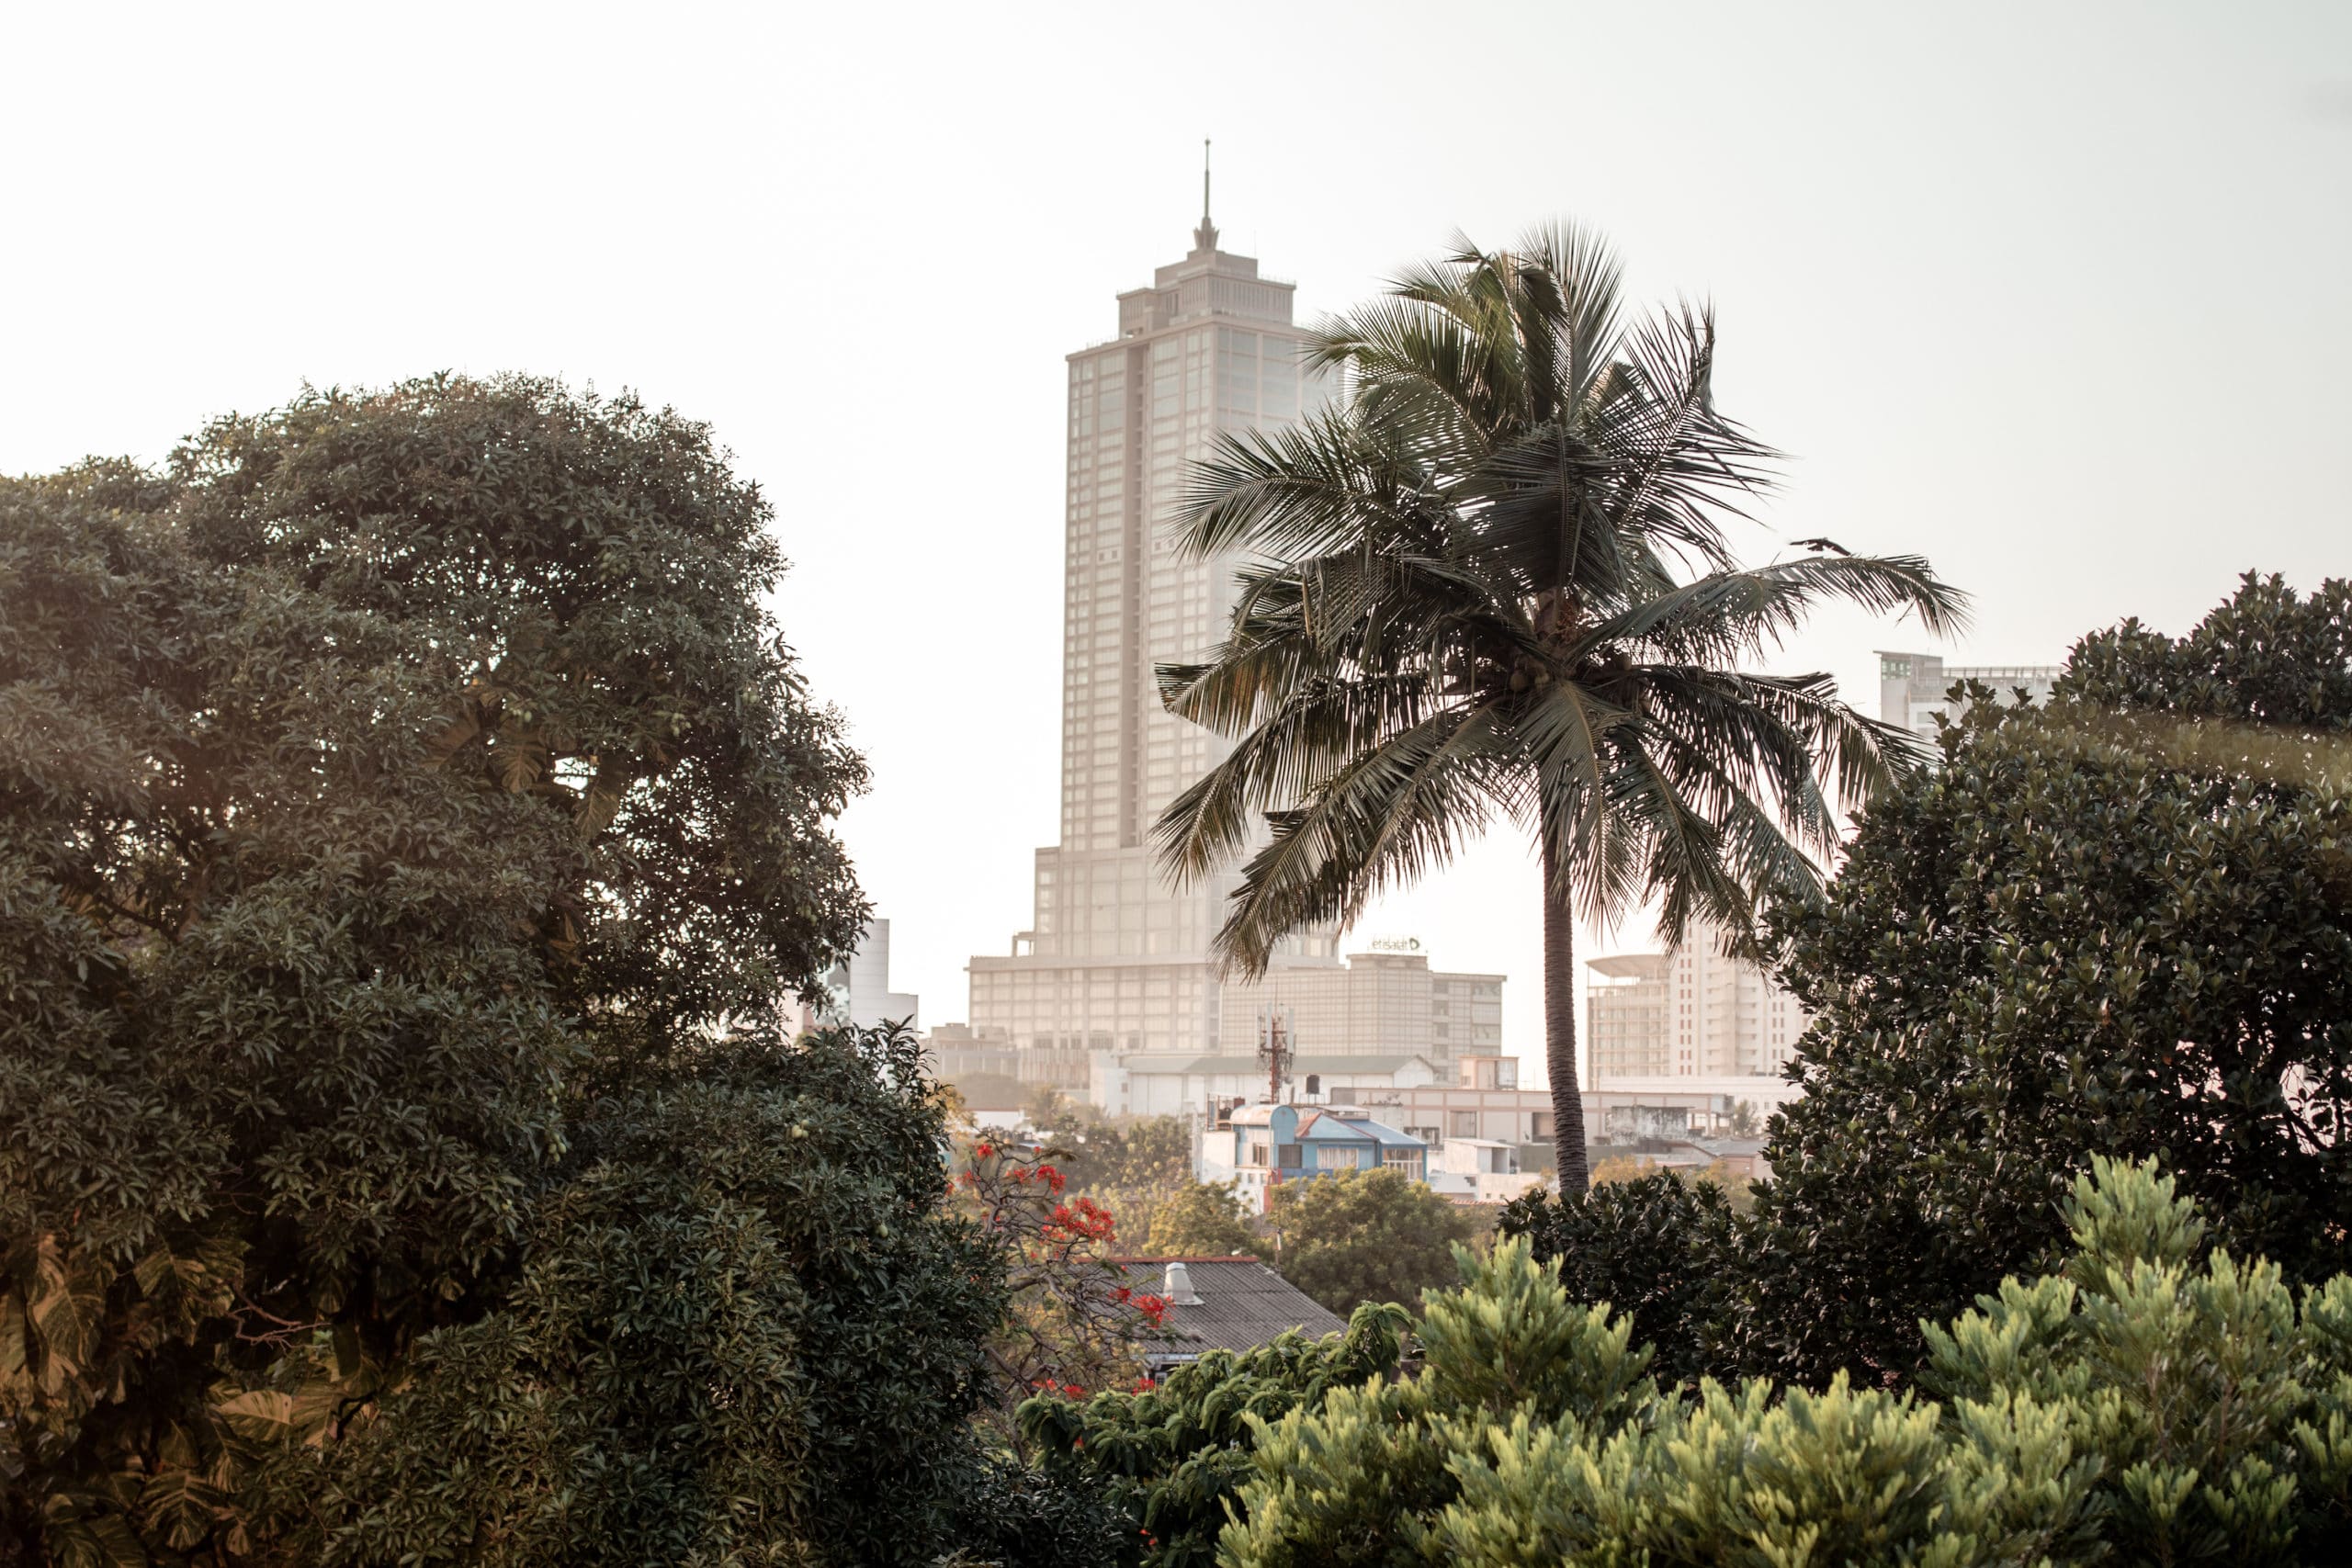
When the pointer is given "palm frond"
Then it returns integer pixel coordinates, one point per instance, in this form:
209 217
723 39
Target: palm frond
1395 813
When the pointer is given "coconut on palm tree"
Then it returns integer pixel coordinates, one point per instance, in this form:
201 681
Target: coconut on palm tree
1495 581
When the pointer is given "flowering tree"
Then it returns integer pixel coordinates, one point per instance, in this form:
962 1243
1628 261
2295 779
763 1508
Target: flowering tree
1074 1323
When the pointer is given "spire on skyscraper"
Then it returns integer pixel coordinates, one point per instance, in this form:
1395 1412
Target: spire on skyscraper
1205 237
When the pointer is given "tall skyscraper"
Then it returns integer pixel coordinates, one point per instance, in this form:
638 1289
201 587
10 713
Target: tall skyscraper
1116 959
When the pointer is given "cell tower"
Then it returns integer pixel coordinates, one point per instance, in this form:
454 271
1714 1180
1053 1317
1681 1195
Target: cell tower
1277 1045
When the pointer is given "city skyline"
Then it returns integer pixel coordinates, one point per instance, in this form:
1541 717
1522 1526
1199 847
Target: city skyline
1970 270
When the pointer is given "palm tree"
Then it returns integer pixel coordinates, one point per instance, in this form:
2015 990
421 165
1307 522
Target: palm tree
1494 581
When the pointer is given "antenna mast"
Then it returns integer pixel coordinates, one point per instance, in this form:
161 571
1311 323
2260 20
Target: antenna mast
1205 237
1277 1045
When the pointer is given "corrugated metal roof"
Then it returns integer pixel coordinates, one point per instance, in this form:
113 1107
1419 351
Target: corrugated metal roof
1383 1133
1243 1305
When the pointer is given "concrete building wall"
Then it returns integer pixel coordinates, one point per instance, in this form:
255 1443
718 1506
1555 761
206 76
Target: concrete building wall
1625 1029
860 986
1911 686
1380 1003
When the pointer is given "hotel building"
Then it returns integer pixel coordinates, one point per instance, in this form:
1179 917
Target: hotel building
1115 958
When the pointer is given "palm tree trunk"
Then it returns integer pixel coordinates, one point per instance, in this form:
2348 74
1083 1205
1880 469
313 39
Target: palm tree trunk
1560 1032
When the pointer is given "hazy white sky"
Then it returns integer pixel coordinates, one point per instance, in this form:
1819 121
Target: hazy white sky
2055 293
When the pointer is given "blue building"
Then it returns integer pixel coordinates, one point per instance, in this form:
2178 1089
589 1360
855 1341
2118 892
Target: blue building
1269 1144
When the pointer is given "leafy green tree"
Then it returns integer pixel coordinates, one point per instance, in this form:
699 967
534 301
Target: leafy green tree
1148 1153
2119 927
1201 1219
1099 1153
1497 583
1050 1113
409 817
2116 926
1364 1235
745 1330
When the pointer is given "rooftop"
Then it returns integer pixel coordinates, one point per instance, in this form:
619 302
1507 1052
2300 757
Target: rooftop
1630 965
1243 1305
1250 1066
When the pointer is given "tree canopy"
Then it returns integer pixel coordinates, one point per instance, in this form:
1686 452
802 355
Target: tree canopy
1353 1236
1202 1219
409 821
2118 924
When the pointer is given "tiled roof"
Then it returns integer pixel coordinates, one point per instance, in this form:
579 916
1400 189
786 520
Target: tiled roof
1243 1305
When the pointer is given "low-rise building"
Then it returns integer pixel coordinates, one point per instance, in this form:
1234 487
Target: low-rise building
1225 1304
1168 1084
957 1051
1259 1147
1480 1170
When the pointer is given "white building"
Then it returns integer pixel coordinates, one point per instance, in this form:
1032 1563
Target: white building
1116 960
1201 1088
1911 686
860 986
1690 1013
1479 1170
1260 1147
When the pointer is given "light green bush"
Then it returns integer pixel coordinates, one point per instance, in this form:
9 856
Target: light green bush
2152 1404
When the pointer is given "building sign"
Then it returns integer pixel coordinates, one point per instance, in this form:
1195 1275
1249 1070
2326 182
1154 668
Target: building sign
1396 944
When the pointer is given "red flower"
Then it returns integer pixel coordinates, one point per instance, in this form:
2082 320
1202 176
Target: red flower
983 1150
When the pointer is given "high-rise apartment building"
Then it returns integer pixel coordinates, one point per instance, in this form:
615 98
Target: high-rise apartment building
1116 958
1911 686
1691 1012
1626 1018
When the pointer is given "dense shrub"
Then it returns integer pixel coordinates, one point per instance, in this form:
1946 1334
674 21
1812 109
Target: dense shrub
1021 1517
1651 1248
2153 1403
1173 1456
